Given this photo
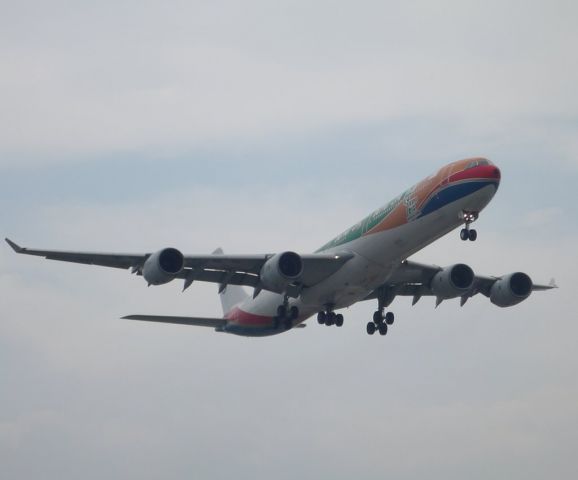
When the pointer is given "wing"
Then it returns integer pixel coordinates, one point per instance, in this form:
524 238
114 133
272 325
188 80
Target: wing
415 279
216 268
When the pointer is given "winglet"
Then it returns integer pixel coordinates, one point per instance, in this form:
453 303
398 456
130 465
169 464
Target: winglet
16 248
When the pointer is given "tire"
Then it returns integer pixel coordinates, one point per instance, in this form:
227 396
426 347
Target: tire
288 324
339 320
464 234
281 311
371 328
383 329
293 313
473 235
377 317
389 318
321 318
330 319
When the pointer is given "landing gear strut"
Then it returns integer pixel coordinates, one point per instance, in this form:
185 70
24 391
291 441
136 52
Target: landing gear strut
468 233
380 322
286 315
329 318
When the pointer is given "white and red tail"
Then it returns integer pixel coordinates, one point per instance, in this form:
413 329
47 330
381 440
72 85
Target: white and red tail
232 295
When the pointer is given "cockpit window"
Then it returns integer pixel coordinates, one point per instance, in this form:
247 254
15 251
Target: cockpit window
477 163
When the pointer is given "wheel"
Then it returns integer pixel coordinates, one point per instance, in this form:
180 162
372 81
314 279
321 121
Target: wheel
464 234
473 235
281 311
321 317
339 320
330 319
288 324
371 328
383 329
377 317
389 318
293 312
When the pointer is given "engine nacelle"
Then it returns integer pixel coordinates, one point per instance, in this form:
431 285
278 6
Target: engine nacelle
163 266
281 270
452 281
511 289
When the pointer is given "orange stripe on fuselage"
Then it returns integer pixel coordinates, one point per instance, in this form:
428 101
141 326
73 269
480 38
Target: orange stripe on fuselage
423 191
395 219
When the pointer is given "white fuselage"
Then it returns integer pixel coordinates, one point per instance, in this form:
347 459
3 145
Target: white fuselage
375 257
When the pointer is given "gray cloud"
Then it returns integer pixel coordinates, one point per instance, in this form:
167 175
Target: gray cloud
141 76
284 124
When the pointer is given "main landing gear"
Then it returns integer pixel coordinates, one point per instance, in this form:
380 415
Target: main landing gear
286 315
330 318
468 233
380 322
385 295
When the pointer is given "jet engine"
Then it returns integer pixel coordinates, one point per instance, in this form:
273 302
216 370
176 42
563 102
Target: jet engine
452 282
511 289
163 266
281 270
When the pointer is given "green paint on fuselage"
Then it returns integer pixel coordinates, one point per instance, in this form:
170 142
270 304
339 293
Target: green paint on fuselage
374 219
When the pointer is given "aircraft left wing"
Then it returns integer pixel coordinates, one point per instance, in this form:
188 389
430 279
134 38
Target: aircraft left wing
216 268
456 281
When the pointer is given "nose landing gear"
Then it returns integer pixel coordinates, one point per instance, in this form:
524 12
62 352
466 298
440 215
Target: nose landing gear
468 233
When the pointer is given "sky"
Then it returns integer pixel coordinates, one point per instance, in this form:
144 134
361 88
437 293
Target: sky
269 126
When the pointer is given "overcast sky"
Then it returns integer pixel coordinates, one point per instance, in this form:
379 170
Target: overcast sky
263 126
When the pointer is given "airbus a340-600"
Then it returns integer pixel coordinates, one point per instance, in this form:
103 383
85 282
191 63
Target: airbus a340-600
368 261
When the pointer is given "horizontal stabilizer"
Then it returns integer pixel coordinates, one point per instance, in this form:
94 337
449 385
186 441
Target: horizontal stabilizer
16 248
196 321
550 286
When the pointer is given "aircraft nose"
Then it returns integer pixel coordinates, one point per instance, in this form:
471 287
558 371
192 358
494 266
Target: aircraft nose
485 171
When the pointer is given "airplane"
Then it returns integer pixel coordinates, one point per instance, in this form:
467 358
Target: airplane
368 261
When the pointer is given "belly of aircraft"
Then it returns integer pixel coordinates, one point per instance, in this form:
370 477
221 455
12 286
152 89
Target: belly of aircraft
349 285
